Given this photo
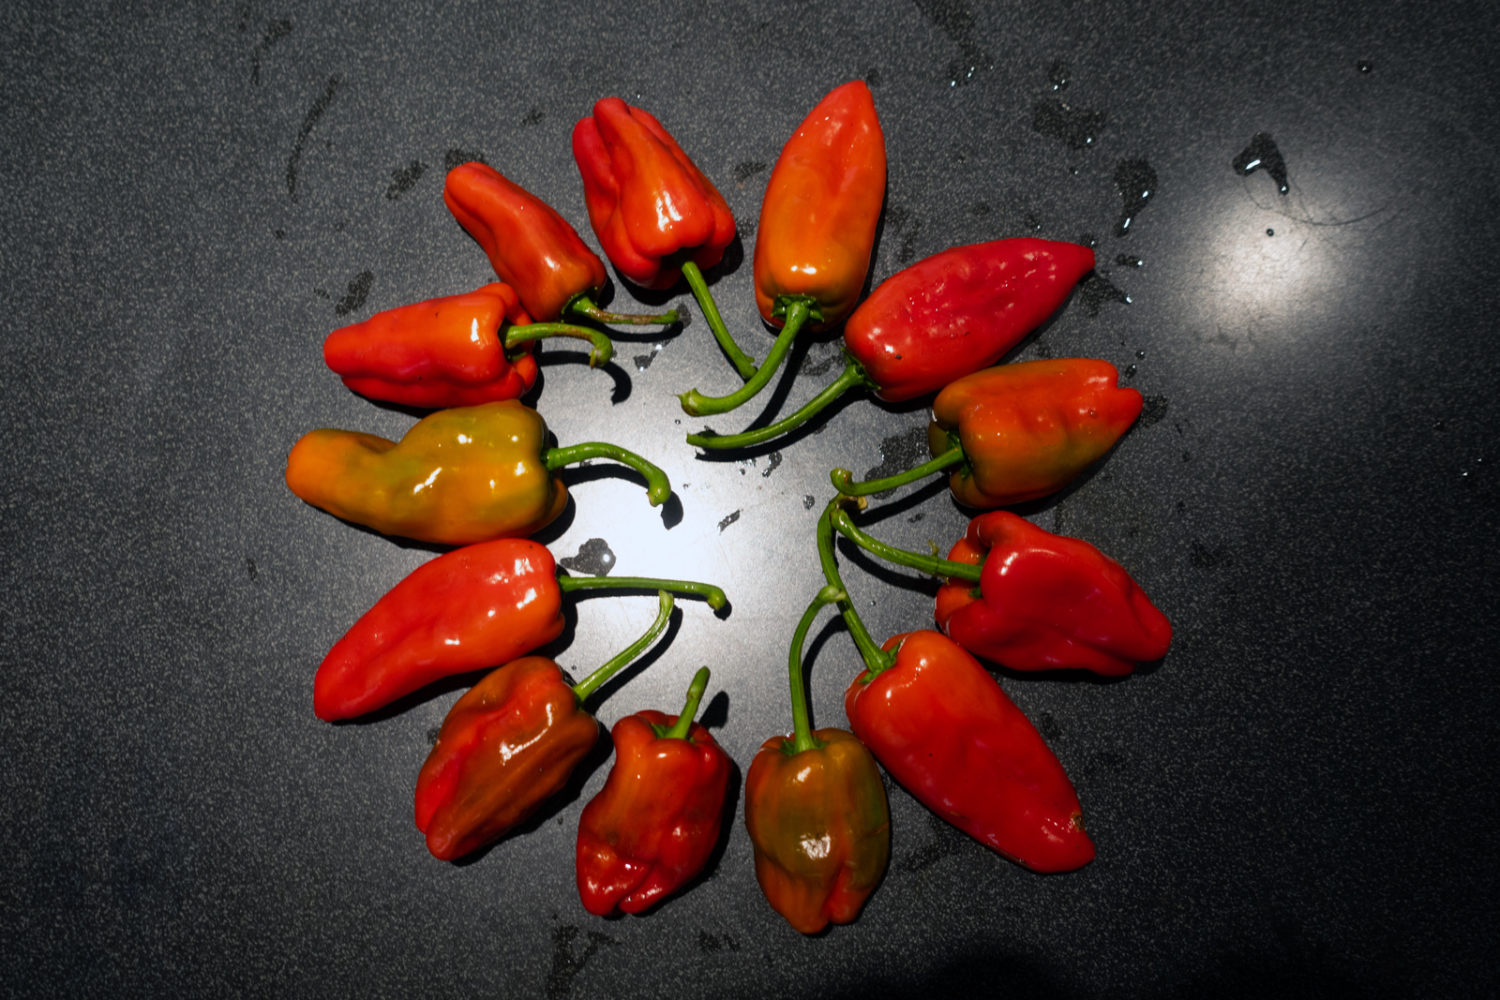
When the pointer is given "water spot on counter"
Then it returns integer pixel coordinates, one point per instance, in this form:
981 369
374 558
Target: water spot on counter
1126 260
568 962
1096 290
1046 724
643 361
1078 127
1033 223
872 76
432 734
726 522
815 366
274 33
403 179
594 558
1262 154
716 942
322 293
1439 425
1153 408
772 461
1364 65
955 20
533 117
900 221
1129 372
458 157
808 500
242 11
944 841
309 121
1204 556
1140 355
981 209
1059 74
1089 240
1181 506
250 569
919 515
747 169
900 452
355 294
280 234
1187 456
1136 182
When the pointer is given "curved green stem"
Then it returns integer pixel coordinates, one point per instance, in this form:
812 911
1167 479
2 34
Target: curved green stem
584 306
931 565
687 588
876 659
658 488
802 737
743 363
592 682
679 730
798 312
853 375
843 479
603 348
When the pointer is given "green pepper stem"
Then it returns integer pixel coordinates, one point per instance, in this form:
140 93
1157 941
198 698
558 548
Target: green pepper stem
603 347
680 729
743 363
876 659
593 681
843 479
802 737
853 375
658 488
931 565
694 403
584 306
687 588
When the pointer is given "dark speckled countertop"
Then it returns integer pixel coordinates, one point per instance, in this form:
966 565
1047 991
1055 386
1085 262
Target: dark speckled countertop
1298 801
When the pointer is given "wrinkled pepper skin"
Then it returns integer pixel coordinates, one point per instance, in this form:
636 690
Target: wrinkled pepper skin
943 728
820 826
468 609
959 311
653 825
531 247
1048 602
820 209
440 353
648 202
1028 429
462 475
509 744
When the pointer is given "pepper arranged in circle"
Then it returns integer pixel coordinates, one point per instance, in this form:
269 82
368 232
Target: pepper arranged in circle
1018 432
465 610
467 474
458 350
653 825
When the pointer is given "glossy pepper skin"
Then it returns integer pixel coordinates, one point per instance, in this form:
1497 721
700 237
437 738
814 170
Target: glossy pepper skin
462 475
649 204
820 827
943 728
959 310
1048 602
509 744
466 610
821 206
531 247
1028 429
439 353
653 825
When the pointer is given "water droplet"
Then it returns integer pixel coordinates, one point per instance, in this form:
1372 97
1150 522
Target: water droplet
1270 231
1438 425
1126 260
1097 290
1141 355
1364 65
1075 126
1262 154
1136 182
1089 240
1058 73
1130 371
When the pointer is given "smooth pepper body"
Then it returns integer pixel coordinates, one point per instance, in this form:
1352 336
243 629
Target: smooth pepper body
649 204
1047 601
531 247
1028 429
462 475
653 825
820 826
943 728
958 311
468 609
819 213
509 744
439 353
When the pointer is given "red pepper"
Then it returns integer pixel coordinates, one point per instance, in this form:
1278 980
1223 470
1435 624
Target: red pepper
817 228
530 246
938 320
1046 601
1018 432
509 744
466 610
459 350
653 825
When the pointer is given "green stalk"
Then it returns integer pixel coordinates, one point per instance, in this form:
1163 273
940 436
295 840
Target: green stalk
603 348
843 479
802 737
584 306
743 363
852 376
593 681
876 659
658 488
688 588
931 565
694 403
679 730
